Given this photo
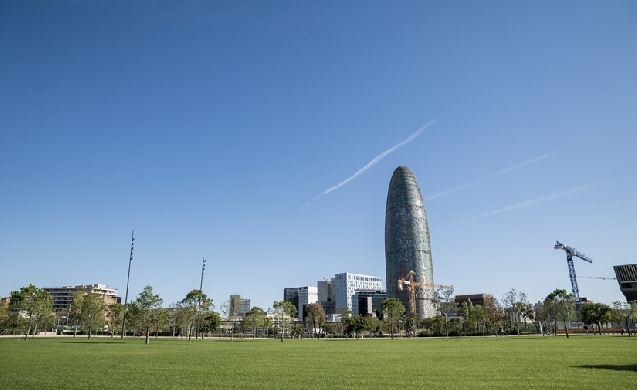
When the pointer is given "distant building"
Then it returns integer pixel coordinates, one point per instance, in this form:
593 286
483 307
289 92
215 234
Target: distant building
239 306
345 285
62 296
476 299
367 302
325 296
627 278
300 296
324 290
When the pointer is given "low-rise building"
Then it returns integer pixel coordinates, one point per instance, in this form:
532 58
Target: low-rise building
62 296
368 302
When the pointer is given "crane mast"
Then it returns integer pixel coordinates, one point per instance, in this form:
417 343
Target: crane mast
411 288
570 252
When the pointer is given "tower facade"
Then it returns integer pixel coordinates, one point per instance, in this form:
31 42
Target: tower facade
407 246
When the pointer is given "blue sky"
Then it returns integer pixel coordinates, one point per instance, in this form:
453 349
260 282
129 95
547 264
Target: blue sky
207 126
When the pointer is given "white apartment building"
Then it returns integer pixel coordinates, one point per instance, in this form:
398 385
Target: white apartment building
345 285
300 296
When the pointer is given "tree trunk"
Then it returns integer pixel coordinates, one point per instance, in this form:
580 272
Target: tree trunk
566 329
147 335
89 333
189 332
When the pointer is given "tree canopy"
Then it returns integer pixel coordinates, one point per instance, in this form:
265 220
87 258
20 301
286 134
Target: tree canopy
31 306
285 312
392 309
561 306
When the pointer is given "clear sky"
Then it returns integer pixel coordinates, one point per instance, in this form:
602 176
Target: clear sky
207 127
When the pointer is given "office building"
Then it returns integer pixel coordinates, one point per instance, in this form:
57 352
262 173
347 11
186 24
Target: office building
325 296
299 297
368 302
407 245
627 278
346 284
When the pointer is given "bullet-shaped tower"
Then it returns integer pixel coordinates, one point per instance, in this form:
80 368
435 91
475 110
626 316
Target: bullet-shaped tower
407 245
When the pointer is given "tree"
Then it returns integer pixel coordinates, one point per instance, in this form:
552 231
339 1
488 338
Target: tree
436 325
329 328
561 306
230 310
516 305
210 322
316 315
492 313
355 324
193 309
114 316
473 316
266 323
596 314
285 311
253 319
143 310
445 303
625 311
75 310
32 306
160 318
374 325
93 312
4 316
392 309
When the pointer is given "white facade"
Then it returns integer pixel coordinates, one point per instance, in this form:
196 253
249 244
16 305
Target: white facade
307 295
346 284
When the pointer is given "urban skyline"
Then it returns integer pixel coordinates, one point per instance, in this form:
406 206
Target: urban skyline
205 127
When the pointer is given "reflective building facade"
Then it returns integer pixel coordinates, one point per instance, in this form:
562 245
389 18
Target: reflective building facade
627 279
407 244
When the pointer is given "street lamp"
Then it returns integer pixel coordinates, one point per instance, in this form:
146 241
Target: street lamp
127 280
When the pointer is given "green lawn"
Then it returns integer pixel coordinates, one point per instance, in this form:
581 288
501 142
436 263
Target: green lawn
504 362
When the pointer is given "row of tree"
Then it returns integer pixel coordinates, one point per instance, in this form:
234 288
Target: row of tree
31 308
514 309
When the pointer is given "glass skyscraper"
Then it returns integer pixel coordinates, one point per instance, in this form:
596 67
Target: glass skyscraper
407 245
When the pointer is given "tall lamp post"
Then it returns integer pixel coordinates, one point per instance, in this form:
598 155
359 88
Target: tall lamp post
127 280
203 267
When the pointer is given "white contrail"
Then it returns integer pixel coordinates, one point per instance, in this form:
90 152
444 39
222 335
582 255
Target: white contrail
373 162
462 187
533 202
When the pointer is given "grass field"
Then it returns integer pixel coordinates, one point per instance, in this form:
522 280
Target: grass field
503 362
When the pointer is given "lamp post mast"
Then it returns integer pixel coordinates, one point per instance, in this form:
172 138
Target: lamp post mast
203 267
127 280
